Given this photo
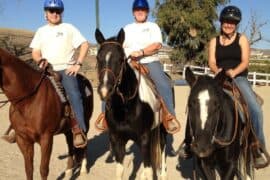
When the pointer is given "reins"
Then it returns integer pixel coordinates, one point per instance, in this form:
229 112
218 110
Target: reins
226 143
21 98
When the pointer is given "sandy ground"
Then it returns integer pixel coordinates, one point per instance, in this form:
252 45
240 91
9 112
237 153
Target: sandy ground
12 164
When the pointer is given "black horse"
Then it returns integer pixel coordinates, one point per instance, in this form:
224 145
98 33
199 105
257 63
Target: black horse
128 114
216 128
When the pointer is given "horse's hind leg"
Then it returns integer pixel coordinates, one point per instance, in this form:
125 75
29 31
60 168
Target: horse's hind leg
70 161
27 149
46 150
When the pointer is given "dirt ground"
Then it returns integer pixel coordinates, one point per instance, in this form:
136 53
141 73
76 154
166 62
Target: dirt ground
12 164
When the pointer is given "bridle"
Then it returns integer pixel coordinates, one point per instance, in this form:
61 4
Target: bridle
214 138
118 79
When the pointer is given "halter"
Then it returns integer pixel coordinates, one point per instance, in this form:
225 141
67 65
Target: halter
214 139
118 79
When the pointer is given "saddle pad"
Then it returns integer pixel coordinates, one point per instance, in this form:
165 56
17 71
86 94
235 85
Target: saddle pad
148 94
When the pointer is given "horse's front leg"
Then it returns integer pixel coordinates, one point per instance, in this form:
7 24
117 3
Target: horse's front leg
118 147
207 171
146 155
46 142
27 149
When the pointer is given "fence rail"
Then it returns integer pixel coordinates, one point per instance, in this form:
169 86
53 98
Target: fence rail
254 78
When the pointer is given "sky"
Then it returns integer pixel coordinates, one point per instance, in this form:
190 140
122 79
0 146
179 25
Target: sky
114 14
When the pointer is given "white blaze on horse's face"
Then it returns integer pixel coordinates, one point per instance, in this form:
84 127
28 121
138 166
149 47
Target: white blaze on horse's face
104 89
203 99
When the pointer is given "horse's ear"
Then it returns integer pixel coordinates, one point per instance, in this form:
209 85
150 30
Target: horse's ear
99 36
221 77
190 77
121 36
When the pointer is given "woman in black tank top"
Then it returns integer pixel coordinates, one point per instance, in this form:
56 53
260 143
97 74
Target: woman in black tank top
230 51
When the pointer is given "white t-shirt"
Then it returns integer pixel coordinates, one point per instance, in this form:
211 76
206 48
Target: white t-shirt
58 44
140 35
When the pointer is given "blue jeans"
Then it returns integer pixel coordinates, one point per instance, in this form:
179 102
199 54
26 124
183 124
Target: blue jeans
162 83
71 86
254 108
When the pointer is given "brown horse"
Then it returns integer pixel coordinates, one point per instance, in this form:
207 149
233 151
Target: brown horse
37 113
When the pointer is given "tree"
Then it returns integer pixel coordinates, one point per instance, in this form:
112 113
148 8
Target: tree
253 29
187 26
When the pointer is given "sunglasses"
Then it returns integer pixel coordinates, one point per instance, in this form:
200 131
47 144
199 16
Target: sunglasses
52 11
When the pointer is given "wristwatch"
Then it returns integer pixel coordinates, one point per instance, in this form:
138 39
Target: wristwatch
78 63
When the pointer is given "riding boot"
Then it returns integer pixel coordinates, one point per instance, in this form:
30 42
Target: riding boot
170 122
260 156
79 137
101 122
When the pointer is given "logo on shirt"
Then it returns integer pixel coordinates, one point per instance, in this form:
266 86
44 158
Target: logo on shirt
59 34
146 30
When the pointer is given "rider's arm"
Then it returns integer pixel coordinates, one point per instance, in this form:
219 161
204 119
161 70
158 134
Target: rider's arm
245 52
212 62
151 49
36 55
83 51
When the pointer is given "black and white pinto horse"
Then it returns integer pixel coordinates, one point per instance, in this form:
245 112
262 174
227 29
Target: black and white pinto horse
129 115
215 127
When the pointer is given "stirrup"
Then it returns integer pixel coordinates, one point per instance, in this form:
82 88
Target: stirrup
101 123
76 131
166 121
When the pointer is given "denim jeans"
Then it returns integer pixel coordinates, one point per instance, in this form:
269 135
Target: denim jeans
254 108
71 86
162 83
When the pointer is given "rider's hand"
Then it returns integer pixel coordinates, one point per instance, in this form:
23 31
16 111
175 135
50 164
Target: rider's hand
136 54
73 70
230 73
43 63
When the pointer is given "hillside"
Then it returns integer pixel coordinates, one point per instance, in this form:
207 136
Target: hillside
17 42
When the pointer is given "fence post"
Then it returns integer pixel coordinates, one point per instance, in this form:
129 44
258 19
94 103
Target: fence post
254 79
184 72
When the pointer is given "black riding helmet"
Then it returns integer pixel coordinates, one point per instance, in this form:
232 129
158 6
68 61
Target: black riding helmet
230 13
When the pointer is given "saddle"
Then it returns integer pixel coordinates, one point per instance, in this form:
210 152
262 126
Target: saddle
148 87
248 132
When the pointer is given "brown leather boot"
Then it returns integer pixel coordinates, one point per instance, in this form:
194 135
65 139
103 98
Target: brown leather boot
169 121
79 137
101 123
260 159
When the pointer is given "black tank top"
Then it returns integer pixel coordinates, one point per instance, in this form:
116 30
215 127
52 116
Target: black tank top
228 57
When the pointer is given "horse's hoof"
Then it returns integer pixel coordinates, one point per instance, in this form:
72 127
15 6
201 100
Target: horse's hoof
163 177
68 173
10 138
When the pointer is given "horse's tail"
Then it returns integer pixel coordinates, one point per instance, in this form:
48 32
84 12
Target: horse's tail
155 148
